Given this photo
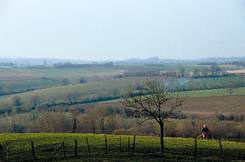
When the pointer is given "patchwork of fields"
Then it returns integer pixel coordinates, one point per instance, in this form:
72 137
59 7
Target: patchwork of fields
32 98
100 91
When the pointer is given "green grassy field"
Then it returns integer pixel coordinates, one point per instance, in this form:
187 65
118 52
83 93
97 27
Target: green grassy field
86 91
213 92
18 80
147 145
54 73
95 90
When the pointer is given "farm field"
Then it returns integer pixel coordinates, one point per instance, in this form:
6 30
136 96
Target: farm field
205 105
102 89
54 73
52 99
147 145
16 80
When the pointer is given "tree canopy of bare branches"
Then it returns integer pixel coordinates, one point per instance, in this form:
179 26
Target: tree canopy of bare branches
153 101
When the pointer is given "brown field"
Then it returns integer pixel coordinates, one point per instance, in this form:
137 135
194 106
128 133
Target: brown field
205 107
17 76
242 71
211 106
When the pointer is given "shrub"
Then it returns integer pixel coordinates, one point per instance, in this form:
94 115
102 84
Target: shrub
17 128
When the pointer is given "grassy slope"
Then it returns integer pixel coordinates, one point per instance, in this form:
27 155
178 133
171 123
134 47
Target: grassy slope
101 89
144 144
17 80
213 92
87 90
56 73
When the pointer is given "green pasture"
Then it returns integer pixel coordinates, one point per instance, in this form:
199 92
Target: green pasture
100 90
19 143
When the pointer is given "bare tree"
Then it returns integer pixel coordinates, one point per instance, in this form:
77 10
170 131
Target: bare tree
101 114
17 104
90 116
231 88
35 101
182 71
65 81
97 119
153 101
73 97
215 70
75 114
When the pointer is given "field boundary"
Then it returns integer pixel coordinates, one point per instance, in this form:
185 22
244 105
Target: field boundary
108 147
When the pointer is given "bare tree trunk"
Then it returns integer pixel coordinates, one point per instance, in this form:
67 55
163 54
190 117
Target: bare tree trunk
102 125
93 128
162 136
74 127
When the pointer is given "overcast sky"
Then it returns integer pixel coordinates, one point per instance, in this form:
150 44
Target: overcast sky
119 29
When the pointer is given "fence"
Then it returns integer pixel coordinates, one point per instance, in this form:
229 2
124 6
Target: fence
58 148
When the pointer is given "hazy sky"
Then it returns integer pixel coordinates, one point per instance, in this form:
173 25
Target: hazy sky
119 29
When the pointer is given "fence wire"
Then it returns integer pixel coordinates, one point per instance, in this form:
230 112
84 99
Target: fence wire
93 145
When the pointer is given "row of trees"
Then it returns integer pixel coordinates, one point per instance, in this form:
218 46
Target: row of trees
115 123
179 72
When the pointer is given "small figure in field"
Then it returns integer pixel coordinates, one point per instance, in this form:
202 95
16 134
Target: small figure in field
205 134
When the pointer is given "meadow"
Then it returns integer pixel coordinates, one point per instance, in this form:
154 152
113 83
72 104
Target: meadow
48 146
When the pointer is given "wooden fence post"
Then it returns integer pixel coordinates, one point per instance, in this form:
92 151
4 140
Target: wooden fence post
120 141
33 150
221 151
133 149
106 146
1 151
87 144
75 151
195 149
63 149
239 155
7 152
129 145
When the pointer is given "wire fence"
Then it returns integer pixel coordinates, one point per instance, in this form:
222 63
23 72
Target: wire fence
61 148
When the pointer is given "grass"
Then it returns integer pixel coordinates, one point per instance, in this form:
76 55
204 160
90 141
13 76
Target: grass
98 89
213 92
86 91
47 84
18 86
56 73
145 145
16 80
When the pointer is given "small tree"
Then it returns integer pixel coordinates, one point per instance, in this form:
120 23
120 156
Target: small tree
97 119
65 81
17 103
101 114
153 101
90 117
73 97
182 71
231 88
35 101
75 113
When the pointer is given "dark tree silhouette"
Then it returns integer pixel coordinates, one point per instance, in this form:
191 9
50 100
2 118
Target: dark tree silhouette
152 101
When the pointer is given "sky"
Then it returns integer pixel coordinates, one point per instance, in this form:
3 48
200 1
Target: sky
122 29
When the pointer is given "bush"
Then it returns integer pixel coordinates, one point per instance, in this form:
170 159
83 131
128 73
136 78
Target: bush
231 117
17 128
82 80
